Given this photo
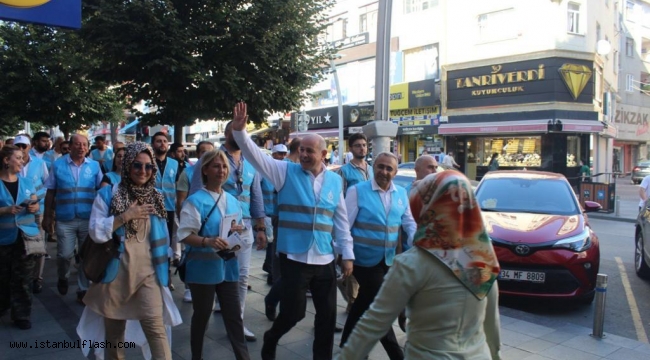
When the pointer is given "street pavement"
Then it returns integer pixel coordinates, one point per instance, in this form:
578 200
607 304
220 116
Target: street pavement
628 201
524 335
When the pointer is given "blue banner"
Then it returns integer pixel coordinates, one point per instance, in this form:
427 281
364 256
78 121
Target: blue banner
59 13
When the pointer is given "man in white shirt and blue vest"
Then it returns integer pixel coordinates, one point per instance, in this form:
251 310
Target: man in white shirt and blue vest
312 224
35 170
375 234
102 154
71 189
166 183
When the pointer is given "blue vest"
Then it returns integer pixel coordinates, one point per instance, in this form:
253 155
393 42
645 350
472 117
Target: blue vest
375 235
270 198
204 266
36 174
353 176
75 199
114 177
189 172
303 221
9 224
108 158
244 197
167 183
158 242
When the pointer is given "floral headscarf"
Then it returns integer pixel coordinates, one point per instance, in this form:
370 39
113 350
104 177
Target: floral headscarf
127 192
450 227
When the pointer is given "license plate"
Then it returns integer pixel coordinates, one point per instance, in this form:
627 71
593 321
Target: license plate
516 275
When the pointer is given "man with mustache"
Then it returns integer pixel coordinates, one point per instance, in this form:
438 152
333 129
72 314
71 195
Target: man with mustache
375 234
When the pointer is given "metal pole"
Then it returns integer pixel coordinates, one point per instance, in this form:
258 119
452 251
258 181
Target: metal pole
599 309
618 205
340 108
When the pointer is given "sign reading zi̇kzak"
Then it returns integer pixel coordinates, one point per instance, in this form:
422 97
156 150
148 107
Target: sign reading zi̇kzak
59 13
524 82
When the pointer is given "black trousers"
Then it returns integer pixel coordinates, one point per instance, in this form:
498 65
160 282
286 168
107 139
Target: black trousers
370 280
297 277
273 297
202 301
16 277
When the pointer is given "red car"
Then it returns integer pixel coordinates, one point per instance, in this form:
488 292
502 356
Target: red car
541 235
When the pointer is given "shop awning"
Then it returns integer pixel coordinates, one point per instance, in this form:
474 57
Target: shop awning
582 126
129 126
500 127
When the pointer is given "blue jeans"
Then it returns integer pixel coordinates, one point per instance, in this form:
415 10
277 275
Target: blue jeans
70 234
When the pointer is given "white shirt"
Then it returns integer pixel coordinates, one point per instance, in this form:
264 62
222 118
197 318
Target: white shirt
352 204
75 169
190 221
25 169
276 172
645 184
348 157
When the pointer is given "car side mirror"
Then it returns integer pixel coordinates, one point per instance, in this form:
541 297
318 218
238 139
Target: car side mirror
592 206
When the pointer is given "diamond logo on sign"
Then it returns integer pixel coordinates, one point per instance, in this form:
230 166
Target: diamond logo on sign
24 3
575 78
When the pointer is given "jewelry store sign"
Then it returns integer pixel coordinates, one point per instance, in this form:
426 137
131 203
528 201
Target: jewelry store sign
59 13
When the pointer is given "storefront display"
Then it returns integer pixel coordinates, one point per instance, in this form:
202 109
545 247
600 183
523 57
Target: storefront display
513 151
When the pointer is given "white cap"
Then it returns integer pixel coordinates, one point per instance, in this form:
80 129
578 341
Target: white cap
279 148
21 139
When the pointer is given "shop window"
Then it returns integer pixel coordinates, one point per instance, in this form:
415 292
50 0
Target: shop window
512 151
421 63
573 151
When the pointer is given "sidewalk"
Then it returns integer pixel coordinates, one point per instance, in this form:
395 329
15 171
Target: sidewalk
629 209
55 318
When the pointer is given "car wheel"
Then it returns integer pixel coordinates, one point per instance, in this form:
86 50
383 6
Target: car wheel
588 299
640 266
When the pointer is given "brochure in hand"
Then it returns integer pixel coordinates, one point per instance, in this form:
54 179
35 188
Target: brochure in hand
231 235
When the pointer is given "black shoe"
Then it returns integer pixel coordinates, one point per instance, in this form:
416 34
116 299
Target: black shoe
23 324
38 287
269 310
62 286
268 349
338 329
80 297
175 262
250 287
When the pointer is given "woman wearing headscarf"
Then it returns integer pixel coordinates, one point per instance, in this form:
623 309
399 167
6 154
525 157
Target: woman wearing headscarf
114 176
16 218
135 286
207 272
447 281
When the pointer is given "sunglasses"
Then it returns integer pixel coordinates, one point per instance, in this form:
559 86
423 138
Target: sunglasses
22 146
139 166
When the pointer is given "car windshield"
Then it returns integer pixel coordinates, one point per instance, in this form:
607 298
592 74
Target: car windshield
644 163
541 196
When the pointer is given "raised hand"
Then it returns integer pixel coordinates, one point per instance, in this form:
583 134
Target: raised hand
240 117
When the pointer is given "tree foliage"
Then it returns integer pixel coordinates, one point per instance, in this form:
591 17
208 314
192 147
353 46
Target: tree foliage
44 80
190 59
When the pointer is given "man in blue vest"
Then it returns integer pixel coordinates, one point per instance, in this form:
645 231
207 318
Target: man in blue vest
40 146
35 170
182 189
375 234
312 224
71 189
353 172
102 154
166 180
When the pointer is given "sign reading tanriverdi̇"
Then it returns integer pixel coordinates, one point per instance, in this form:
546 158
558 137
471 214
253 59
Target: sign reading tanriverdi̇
632 122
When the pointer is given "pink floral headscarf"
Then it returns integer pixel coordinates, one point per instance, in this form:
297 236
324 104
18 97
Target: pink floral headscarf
450 227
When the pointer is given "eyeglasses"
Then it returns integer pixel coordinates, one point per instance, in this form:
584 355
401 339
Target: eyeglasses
139 166
384 167
360 145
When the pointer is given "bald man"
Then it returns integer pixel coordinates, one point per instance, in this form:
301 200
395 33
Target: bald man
310 209
71 189
425 165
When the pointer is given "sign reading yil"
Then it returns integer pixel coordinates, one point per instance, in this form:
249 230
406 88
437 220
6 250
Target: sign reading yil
524 82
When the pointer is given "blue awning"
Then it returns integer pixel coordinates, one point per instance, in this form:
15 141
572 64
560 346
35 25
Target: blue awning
129 126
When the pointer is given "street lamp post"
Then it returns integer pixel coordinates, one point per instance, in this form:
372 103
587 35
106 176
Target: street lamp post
382 129
339 99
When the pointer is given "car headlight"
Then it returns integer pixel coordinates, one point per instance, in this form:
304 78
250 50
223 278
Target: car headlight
577 243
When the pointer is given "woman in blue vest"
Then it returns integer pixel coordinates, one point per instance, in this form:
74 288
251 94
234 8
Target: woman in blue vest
135 285
207 272
114 176
16 218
